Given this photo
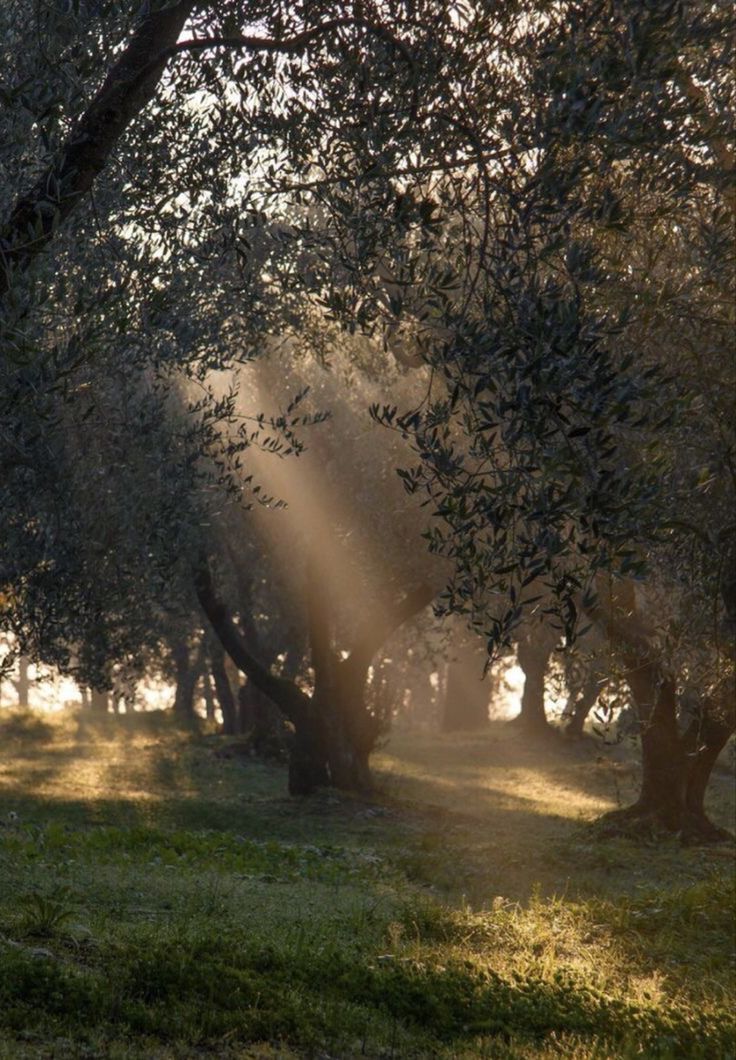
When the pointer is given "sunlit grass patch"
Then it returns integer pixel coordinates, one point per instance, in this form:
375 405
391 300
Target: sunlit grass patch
207 987
224 918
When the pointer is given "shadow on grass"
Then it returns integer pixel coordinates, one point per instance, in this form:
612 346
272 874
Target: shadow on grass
26 726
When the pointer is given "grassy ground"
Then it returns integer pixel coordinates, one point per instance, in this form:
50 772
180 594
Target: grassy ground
160 900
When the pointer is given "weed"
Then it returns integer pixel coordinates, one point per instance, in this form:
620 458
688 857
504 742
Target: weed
44 915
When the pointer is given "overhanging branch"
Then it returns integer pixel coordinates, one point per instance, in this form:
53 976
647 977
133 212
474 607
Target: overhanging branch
128 87
294 45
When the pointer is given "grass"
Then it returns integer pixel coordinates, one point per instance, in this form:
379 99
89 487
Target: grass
160 901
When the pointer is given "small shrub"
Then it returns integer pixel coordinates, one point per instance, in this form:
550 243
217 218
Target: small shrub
44 915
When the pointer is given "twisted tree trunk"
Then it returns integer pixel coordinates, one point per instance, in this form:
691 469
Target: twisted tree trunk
334 733
676 765
347 731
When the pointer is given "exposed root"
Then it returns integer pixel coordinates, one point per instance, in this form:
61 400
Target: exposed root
644 824
699 830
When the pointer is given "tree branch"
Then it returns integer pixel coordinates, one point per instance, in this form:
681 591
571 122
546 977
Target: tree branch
128 87
376 630
290 700
287 45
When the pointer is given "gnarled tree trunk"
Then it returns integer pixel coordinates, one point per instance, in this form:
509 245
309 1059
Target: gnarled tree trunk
676 765
349 730
338 730
334 733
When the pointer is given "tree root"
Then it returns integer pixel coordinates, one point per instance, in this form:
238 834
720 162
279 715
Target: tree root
646 824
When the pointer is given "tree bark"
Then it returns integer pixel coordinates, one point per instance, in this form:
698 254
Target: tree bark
676 766
334 732
130 84
308 756
704 741
351 730
290 700
662 793
188 672
345 731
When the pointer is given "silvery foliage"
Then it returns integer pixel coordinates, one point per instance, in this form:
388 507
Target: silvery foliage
440 178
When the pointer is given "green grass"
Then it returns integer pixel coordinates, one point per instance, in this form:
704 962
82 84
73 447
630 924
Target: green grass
159 901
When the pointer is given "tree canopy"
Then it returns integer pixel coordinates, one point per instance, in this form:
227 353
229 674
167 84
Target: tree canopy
533 203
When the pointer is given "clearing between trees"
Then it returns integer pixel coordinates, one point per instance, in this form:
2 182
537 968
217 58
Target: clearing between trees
163 897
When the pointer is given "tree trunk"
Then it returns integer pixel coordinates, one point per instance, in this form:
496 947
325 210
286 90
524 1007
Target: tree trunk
353 732
704 741
533 654
676 767
187 675
327 752
208 695
342 732
662 795
223 689
331 747
23 683
577 710
130 84
99 701
466 691
308 758
334 733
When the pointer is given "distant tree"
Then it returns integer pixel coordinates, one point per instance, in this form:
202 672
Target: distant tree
466 691
534 650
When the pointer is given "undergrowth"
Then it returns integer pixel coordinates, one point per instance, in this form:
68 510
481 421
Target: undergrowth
157 939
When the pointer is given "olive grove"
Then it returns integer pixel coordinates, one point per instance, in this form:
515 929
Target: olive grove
529 206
